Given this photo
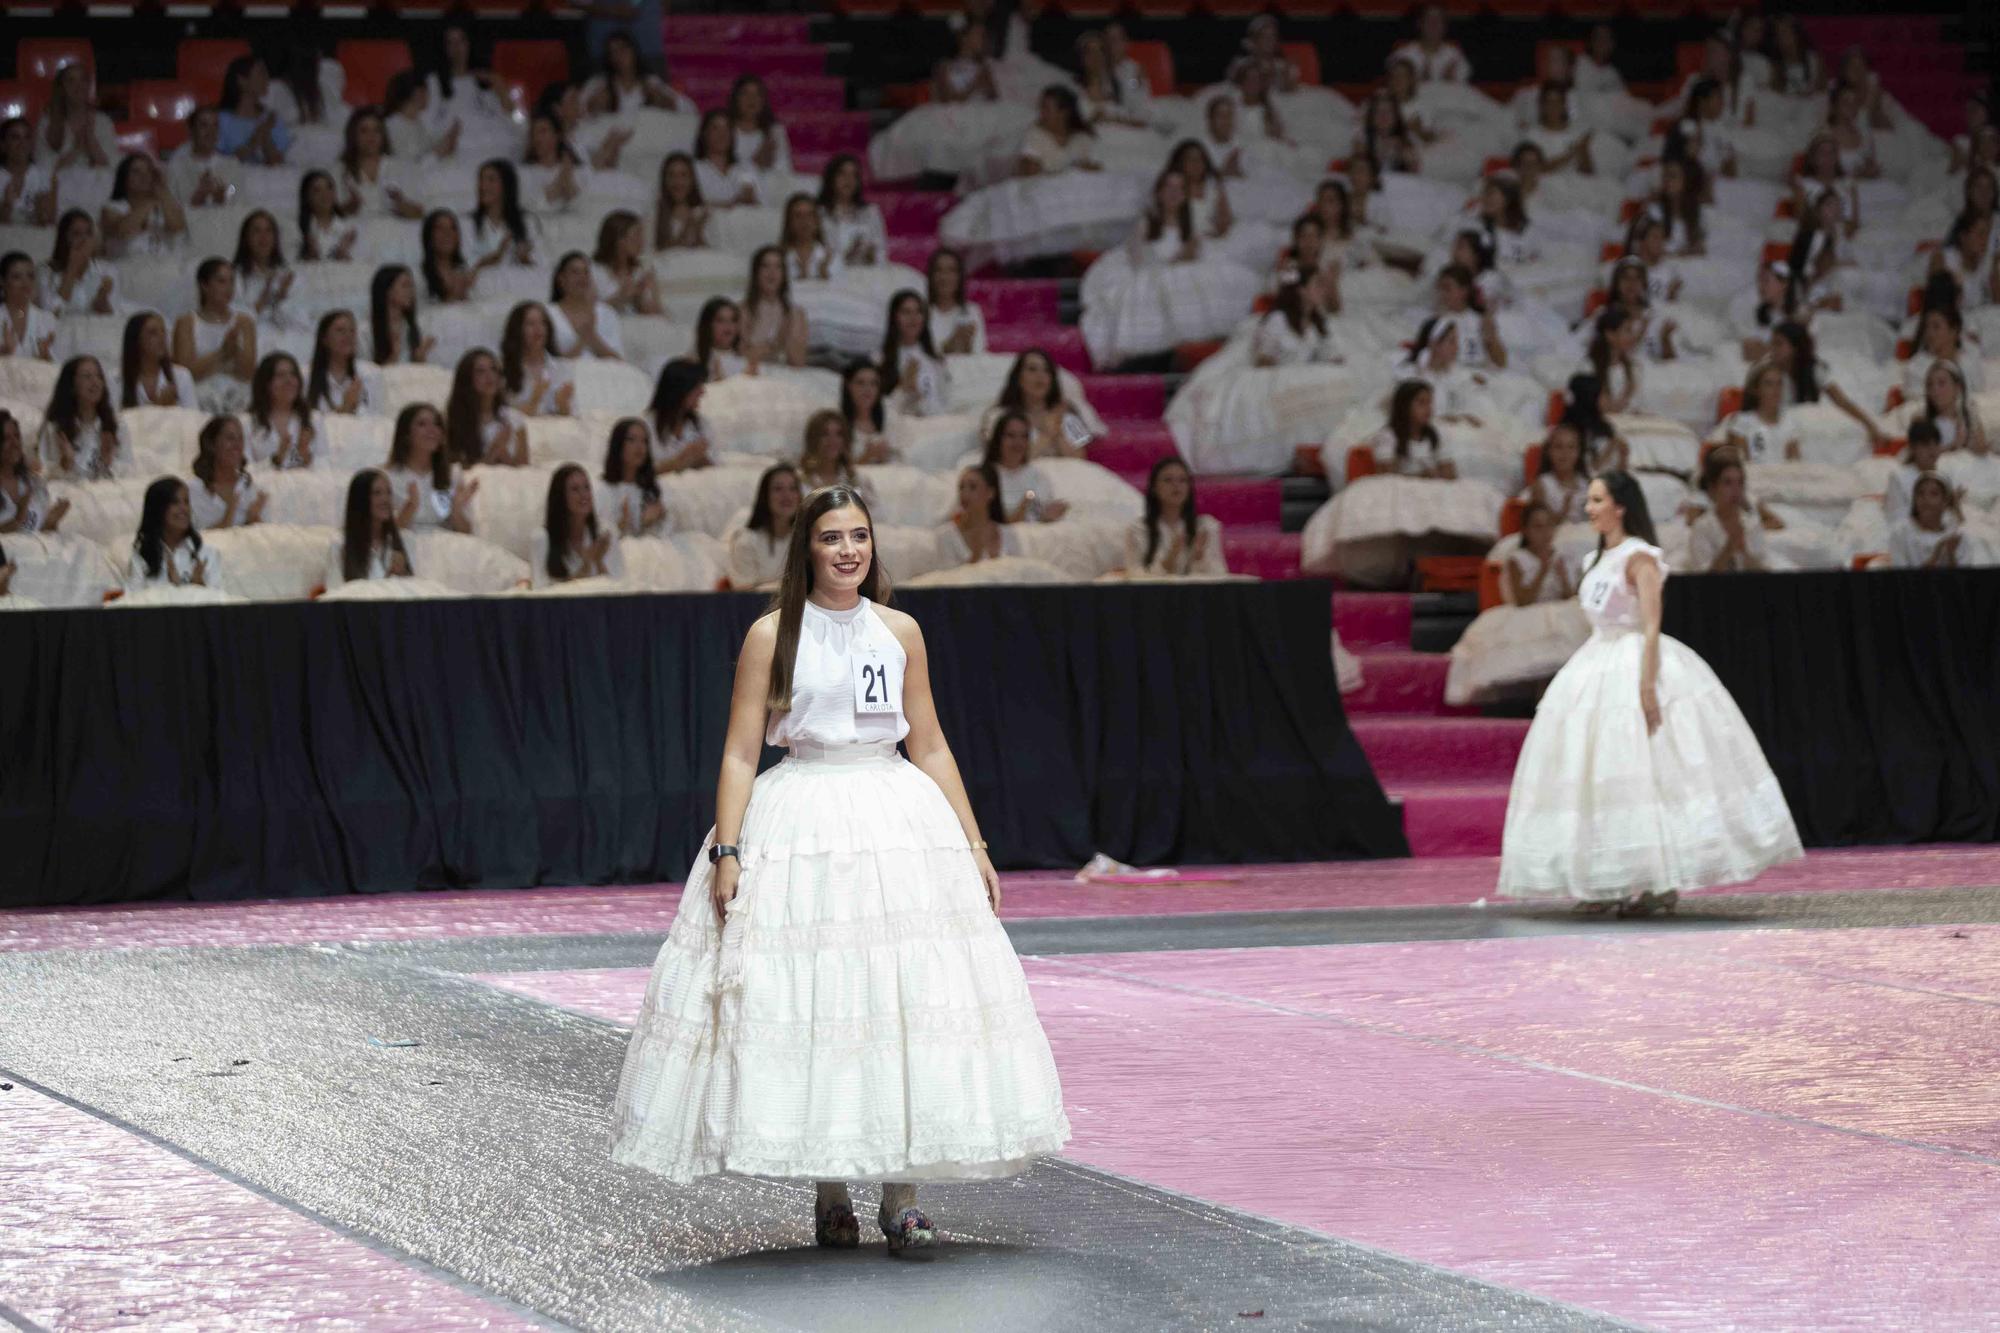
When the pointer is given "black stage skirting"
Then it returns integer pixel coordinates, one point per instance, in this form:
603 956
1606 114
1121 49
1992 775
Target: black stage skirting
1876 696
295 750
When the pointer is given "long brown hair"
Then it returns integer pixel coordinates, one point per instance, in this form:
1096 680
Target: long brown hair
797 584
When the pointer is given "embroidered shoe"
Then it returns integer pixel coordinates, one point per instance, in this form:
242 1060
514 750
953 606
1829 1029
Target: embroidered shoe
837 1228
908 1230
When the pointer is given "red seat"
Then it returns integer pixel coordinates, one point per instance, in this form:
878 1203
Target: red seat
534 64
1158 62
1558 404
1531 457
164 105
1511 515
38 58
1360 462
1776 252
1489 573
1905 349
19 98
1595 301
1306 56
1729 402
1660 9
1689 57
370 63
201 63
1450 573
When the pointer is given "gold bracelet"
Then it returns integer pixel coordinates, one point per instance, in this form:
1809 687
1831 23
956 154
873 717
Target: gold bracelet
979 846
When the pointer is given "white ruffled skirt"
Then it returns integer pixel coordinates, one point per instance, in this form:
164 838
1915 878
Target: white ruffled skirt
861 1017
1600 810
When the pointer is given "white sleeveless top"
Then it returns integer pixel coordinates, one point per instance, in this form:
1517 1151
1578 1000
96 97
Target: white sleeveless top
1608 600
823 711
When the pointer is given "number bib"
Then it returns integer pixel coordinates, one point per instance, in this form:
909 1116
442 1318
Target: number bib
878 683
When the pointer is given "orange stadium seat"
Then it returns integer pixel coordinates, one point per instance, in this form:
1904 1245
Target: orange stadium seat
1360 462
201 62
38 58
1531 457
1511 515
1489 573
533 64
1306 56
19 98
1157 59
370 63
1729 402
164 105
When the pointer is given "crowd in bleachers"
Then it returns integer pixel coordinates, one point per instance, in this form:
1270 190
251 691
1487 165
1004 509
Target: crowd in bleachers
458 340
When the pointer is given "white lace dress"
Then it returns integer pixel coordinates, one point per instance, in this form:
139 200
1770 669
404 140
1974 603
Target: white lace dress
1600 810
862 1015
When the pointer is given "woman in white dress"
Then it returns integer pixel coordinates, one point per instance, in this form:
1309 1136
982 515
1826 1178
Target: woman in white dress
978 530
1941 337
75 281
1537 625
448 278
216 341
537 382
719 349
757 550
334 383
281 428
147 375
1639 778
224 494
1058 199
1758 431
774 330
370 182
680 438
581 324
1934 536
851 227
459 92
1171 539
914 376
168 552
629 491
892 1092
26 330
496 230
81 439
680 218
261 272
1034 389
1726 538
625 281
1162 287
429 493
480 428
553 177
571 544
826 455
1564 478
722 180
24 497
867 418
371 543
392 318
142 216
72 132
1026 493
27 194
625 82
958 325
325 236
760 141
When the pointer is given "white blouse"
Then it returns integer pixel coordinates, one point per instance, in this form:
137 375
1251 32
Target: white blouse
178 565
264 443
151 239
433 505
23 334
623 505
554 372
1419 459
1276 343
538 559
719 187
96 458
1017 482
34 183
1910 547
566 342
667 450
482 240
923 383
844 228
32 509
379 558
82 298
177 378
1446 65
750 142
209 510
1567 504
1707 539
185 170
833 647
956 550
1204 557
282 102
1765 441
946 323
1042 146
1526 565
629 98
755 559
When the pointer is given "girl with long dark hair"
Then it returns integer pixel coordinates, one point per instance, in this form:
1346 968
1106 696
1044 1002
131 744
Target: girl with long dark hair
480 428
680 440
538 382
1034 389
625 281
1639 779
74 281
80 438
1409 446
392 317
429 493
914 376
24 496
912 937
571 544
498 231
1172 539
142 217
281 429
978 529
447 277
774 329
225 496
852 227
680 217
579 323
630 500
1026 494
147 374
216 341
26 330
371 544
861 407
334 383
260 266
721 180
325 235
757 550
168 552
958 326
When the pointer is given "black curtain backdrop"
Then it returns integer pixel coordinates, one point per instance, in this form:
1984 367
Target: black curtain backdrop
296 750
1875 695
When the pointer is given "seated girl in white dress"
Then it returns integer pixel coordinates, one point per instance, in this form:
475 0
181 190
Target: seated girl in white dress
913 376
325 235
850 226
625 281
1727 538
281 426
760 141
143 217
392 318
958 325
1026 494
75 281
757 550
680 440
216 342
625 81
335 383
371 182
1034 390
480 428
261 272
1172 540
571 544
1517 645
861 406
826 457
1564 478
1941 337
168 552
537 382
773 329
680 217
1759 431
224 494
371 542
81 439
628 493
1933 536
24 497
429 492
580 324
147 375
978 530
721 180
26 330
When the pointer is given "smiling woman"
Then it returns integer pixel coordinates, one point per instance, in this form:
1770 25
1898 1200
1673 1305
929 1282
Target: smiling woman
836 999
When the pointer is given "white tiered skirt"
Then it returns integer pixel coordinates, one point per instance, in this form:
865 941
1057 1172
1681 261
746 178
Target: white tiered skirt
1600 810
861 1017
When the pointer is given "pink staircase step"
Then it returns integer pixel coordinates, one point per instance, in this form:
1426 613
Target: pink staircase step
1264 553
1063 343
912 250
912 212
1132 447
1440 749
795 94
772 61
1126 395
1009 301
1400 682
1452 819
1240 501
1371 620
757 29
828 132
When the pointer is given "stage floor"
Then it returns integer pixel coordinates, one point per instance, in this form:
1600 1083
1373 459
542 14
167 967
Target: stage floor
1330 1097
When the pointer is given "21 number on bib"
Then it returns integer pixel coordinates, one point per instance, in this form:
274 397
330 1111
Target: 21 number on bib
876 689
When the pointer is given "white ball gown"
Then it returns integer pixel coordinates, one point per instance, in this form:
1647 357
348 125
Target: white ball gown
1601 811
862 1016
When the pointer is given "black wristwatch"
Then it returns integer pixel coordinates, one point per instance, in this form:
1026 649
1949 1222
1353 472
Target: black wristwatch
720 850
